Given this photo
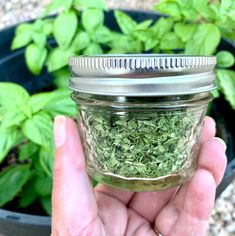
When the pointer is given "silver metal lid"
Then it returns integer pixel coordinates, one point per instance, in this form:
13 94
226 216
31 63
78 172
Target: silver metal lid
142 74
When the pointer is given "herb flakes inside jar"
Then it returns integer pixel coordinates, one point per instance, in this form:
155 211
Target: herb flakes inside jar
146 145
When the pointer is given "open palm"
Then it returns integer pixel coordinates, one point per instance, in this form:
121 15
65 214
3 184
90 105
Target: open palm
79 210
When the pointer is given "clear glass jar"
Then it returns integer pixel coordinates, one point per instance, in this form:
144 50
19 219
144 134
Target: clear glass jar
140 143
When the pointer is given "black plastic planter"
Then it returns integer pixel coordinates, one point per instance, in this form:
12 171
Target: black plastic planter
224 117
13 69
17 224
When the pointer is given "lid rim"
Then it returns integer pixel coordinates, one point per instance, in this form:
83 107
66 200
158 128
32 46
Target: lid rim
105 65
183 84
142 75
207 90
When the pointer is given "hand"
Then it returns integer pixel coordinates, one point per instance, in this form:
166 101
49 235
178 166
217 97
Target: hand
78 210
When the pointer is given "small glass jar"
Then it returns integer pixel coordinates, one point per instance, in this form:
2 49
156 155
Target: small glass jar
140 117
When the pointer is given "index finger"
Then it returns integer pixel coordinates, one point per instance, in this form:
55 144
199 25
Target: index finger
73 200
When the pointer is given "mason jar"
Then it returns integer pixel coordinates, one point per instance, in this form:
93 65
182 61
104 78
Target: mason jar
140 116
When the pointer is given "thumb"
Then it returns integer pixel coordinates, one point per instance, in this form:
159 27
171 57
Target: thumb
73 201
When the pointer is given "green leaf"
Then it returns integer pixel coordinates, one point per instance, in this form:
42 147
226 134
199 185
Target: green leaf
225 8
8 139
216 9
204 9
46 203
171 41
38 25
231 15
25 33
92 18
58 4
162 26
144 25
204 40
46 158
187 10
58 58
43 186
38 101
143 35
55 102
27 151
100 4
215 93
169 7
29 195
125 44
11 118
184 31
151 43
225 59
14 111
190 14
12 180
8 91
61 78
48 25
24 28
102 35
227 84
21 40
93 49
35 58
38 129
80 42
227 32
229 23
39 39
61 104
65 26
125 22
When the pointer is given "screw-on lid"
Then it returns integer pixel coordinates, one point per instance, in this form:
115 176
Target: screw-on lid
142 74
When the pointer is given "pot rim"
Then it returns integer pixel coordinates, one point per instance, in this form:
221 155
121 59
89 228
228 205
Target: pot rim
22 218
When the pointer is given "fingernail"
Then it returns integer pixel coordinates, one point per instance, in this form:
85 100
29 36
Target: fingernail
213 122
60 131
222 142
210 121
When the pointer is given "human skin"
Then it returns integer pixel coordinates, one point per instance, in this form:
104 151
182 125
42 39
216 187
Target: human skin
80 210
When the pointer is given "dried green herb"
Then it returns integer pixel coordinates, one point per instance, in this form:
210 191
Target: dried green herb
139 144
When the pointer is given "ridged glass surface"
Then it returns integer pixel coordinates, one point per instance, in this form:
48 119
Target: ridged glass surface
140 148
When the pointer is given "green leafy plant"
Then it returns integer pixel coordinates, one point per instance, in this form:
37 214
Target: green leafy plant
191 27
200 25
26 146
26 136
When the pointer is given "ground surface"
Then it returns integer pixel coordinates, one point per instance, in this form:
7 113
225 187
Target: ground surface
222 222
